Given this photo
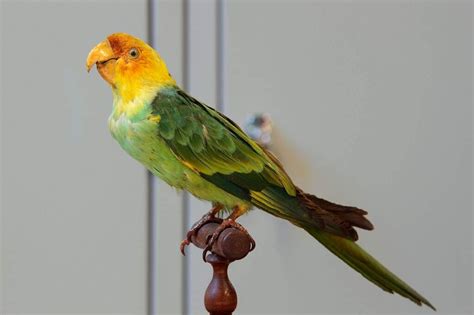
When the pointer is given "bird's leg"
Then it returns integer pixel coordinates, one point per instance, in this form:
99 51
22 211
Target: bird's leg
228 222
208 217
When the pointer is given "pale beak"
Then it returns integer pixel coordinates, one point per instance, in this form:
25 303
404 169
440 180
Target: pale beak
100 54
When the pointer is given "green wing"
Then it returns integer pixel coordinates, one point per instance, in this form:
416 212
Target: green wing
222 153
213 145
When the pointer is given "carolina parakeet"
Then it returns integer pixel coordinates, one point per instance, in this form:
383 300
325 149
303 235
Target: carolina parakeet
193 147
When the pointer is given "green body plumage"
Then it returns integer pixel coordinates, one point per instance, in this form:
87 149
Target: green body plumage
146 135
193 147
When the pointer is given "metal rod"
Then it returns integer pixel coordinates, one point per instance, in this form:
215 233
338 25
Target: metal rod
221 24
185 198
152 253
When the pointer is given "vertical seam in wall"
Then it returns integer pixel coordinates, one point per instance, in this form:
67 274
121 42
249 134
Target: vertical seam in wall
185 295
220 55
151 257
151 245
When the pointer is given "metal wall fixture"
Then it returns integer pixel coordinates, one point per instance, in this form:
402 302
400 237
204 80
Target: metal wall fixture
259 127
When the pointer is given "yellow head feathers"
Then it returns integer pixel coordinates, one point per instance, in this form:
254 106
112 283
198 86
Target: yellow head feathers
129 65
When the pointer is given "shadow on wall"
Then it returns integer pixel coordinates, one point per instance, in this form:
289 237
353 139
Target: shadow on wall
290 156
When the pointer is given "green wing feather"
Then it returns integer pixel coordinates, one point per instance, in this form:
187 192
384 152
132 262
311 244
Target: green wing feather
223 154
215 146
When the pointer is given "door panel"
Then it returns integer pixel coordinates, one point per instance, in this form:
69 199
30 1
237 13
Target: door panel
73 203
372 107
202 85
169 264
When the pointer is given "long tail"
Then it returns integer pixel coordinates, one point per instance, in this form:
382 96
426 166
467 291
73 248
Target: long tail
356 257
333 226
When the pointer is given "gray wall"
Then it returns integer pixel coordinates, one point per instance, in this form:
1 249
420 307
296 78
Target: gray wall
73 205
372 106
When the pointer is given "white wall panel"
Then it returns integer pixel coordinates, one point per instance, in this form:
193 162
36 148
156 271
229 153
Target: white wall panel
202 85
169 263
372 107
73 203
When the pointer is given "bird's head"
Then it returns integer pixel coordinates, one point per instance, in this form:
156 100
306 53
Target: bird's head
129 65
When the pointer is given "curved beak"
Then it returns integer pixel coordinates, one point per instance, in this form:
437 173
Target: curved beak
100 54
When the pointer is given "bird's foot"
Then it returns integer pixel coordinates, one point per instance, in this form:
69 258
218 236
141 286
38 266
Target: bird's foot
207 218
229 222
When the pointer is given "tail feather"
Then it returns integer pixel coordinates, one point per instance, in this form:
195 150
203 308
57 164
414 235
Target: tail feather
333 226
367 266
334 218
352 214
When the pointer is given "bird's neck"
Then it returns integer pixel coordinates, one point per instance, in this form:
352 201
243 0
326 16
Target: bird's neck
132 100
139 87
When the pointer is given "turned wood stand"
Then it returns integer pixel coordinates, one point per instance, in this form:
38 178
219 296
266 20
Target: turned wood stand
220 297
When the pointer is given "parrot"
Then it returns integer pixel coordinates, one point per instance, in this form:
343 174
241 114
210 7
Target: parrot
195 148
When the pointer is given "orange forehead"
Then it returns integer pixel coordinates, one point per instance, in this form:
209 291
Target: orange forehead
121 43
133 75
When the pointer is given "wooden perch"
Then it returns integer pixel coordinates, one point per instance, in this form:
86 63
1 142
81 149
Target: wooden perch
232 244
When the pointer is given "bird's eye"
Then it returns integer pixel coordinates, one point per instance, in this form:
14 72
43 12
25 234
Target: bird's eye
133 53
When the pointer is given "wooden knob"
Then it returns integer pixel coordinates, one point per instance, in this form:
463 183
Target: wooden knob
220 297
232 243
